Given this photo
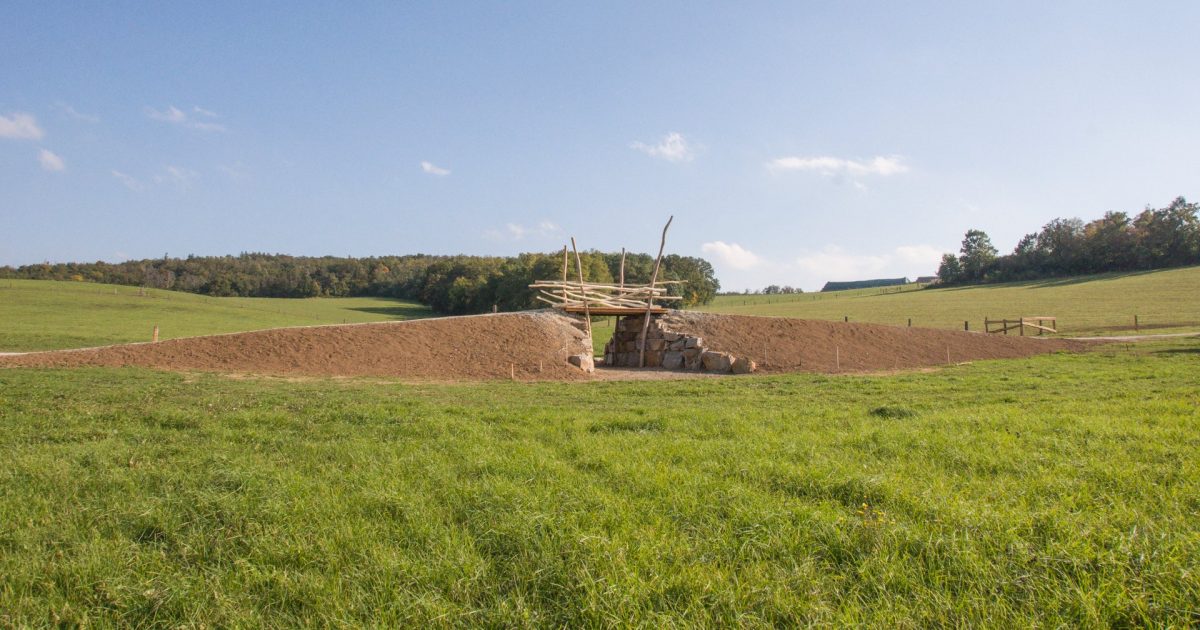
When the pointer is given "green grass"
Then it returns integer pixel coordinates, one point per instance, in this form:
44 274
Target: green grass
1061 490
48 315
1164 301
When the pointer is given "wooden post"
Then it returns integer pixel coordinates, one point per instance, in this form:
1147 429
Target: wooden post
564 280
650 298
1022 326
512 372
837 357
622 270
1135 324
587 311
154 338
910 322
947 355
846 319
966 325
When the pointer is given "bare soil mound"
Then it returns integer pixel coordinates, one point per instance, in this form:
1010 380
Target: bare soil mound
779 344
533 345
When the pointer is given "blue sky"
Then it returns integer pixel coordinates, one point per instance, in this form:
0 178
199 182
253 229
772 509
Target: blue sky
794 142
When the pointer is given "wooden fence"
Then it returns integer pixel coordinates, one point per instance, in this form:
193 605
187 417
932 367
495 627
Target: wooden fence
1039 323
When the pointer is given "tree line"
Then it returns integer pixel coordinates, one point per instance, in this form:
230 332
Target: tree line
1153 239
456 285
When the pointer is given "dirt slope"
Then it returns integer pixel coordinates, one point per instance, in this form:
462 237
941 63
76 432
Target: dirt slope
470 348
537 345
780 344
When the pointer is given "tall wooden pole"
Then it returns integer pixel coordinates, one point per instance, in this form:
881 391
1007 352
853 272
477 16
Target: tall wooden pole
650 298
564 280
587 311
623 272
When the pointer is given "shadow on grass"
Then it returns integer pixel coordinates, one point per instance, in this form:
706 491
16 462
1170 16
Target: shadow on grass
396 312
1178 351
1046 283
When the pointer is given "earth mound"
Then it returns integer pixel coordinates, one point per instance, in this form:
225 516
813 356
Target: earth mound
531 345
781 344
536 346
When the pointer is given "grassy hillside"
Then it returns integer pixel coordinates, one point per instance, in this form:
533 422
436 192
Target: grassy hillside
1101 304
1059 491
47 315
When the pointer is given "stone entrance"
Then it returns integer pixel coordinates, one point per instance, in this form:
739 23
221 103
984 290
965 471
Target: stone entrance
667 348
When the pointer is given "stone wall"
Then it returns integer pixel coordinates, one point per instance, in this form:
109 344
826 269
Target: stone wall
668 349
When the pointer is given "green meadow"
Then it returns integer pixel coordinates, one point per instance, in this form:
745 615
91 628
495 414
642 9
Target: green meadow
1061 490
48 315
1163 301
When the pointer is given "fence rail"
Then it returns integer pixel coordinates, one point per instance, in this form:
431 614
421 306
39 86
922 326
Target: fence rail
1038 323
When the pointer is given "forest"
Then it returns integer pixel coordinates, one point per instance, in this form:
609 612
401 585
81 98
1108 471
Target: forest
456 285
1152 239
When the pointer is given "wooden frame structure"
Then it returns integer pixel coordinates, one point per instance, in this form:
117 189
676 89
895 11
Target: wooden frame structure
591 298
1038 323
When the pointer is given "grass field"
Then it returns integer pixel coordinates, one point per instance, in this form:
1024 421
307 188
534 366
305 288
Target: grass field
1062 490
47 315
1164 301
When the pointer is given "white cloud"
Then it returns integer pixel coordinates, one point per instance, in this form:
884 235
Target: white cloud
433 169
172 114
732 255
177 176
50 161
919 255
176 116
825 165
835 263
672 148
73 113
516 231
130 182
20 126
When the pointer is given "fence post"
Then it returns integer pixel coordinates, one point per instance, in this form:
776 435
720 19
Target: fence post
966 325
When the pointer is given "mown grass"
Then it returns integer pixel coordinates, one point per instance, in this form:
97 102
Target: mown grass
1061 490
48 315
1164 301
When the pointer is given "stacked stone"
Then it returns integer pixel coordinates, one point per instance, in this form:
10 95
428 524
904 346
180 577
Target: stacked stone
667 349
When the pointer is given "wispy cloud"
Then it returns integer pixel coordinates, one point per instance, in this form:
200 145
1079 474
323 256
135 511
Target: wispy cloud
177 176
433 169
673 148
51 161
129 181
20 126
177 116
732 255
236 171
516 231
826 165
74 113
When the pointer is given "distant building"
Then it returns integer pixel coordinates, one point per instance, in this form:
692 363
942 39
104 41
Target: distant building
926 280
864 284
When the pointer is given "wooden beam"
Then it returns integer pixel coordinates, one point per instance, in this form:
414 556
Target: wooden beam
650 300
586 312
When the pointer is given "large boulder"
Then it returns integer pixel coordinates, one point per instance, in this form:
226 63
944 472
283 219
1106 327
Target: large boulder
716 361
